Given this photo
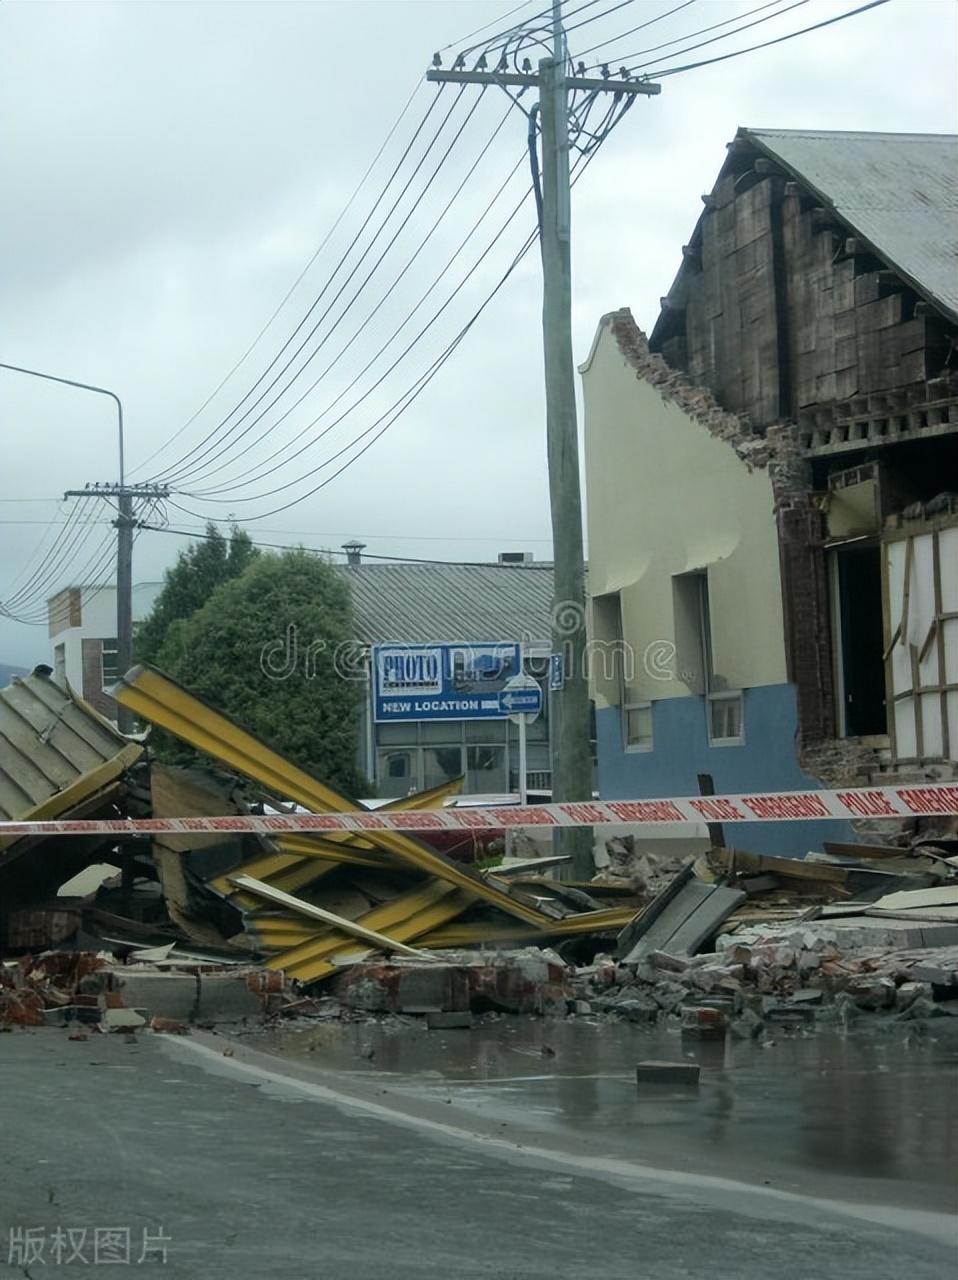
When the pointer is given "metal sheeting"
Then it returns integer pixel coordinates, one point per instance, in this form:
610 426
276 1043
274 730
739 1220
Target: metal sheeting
429 603
899 191
155 697
54 749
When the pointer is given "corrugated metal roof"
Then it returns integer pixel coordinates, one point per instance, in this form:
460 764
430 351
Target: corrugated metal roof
899 191
50 744
436 603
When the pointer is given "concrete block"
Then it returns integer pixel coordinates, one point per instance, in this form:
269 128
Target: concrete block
449 1021
872 991
432 988
703 1021
123 1019
785 1015
211 997
683 1073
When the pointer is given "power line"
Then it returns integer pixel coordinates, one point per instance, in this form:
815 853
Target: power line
292 289
283 451
457 44
796 4
767 44
32 615
368 555
365 223
65 544
359 334
385 421
641 27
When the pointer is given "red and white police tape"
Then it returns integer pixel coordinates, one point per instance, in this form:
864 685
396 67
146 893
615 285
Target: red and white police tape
933 799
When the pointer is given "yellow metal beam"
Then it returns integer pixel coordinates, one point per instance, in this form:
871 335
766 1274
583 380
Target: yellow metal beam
303 858
474 932
406 918
155 697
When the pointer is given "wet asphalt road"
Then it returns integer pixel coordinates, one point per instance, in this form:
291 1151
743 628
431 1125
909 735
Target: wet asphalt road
250 1175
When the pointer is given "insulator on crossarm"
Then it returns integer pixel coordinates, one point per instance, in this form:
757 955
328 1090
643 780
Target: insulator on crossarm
437 59
481 64
526 66
604 71
580 69
624 73
502 64
460 63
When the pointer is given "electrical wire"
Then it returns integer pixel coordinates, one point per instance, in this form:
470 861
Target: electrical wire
37 612
365 223
192 470
401 405
40 552
457 44
796 4
767 44
359 334
292 289
582 53
367 555
283 450
66 544
409 347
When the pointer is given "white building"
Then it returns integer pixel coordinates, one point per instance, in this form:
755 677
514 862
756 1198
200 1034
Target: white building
82 628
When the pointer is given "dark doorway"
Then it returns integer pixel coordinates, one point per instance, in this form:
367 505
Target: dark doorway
862 673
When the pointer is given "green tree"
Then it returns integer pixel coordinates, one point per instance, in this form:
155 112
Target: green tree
198 571
267 648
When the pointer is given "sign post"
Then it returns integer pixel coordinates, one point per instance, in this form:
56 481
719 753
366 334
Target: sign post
522 699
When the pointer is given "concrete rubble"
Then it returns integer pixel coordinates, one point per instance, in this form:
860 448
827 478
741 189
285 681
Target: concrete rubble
176 931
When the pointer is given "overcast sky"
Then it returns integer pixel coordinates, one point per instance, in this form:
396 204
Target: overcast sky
169 168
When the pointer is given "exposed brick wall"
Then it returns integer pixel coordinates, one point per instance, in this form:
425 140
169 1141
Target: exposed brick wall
91 657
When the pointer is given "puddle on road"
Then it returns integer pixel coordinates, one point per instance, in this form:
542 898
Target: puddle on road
874 1104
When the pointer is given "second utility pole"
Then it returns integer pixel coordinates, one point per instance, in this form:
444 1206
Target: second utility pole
571 727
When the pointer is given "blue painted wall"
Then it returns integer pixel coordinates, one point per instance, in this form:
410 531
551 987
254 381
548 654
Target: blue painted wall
766 761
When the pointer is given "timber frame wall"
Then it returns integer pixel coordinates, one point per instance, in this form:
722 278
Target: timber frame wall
797 327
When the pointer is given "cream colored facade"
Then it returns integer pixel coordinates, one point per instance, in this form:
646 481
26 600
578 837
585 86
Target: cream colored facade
665 497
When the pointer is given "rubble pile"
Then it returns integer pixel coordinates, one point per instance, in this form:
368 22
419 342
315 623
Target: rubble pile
205 926
304 906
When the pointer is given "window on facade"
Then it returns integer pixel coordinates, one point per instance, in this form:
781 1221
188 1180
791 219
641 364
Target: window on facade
110 661
486 769
637 725
725 718
440 764
397 773
694 661
608 653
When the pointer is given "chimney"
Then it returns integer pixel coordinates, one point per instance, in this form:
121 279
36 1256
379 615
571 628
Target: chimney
354 552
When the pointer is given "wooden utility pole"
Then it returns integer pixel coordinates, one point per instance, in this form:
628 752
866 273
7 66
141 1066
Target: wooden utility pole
570 730
125 523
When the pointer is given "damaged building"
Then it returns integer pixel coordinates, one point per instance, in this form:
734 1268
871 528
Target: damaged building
772 484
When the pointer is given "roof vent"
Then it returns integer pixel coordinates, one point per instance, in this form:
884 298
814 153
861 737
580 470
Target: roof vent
515 557
354 552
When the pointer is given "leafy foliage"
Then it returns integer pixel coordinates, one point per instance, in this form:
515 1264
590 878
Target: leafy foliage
263 648
198 571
